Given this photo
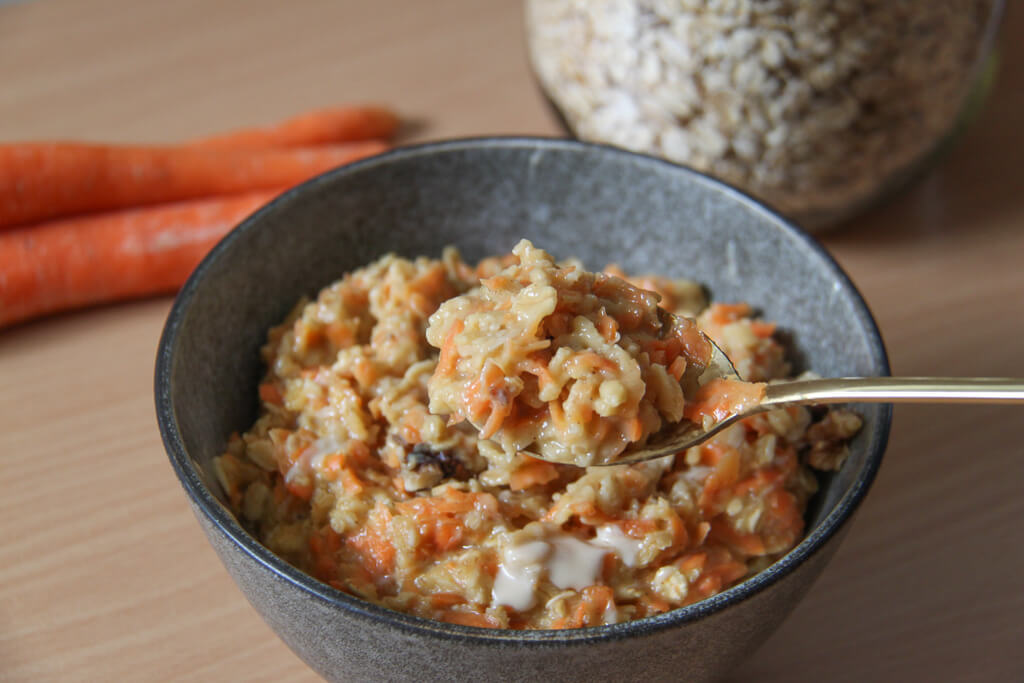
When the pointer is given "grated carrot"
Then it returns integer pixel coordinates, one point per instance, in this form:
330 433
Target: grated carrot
299 489
634 429
762 329
677 368
721 398
469 619
609 328
532 472
449 356
271 393
445 600
724 313
721 479
372 545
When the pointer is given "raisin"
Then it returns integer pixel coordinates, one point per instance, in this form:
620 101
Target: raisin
450 465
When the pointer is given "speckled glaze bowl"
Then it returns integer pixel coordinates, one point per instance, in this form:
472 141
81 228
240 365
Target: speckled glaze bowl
600 204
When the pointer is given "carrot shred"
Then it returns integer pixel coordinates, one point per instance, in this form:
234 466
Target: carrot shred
445 600
677 368
609 328
762 329
299 489
634 429
532 472
448 357
271 393
464 618
721 398
373 545
725 313
724 475
748 543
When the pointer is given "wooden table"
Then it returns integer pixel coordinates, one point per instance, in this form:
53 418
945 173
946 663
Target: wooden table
105 575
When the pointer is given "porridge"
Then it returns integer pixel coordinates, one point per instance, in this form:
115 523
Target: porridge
388 457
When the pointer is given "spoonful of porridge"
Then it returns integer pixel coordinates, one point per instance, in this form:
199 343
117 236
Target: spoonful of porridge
585 368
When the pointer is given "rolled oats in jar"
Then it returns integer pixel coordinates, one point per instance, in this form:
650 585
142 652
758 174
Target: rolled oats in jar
814 106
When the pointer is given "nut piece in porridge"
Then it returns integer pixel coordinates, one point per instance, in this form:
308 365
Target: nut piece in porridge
571 365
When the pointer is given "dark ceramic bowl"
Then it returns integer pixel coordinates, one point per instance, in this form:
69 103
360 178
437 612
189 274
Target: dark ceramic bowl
573 199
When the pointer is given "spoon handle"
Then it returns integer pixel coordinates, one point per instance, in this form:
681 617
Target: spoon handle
896 390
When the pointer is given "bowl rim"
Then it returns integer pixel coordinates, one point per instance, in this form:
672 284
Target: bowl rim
220 517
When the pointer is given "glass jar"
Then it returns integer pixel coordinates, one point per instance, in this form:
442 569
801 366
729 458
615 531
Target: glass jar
816 107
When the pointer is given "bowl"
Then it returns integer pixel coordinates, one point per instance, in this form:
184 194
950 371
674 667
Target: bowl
572 198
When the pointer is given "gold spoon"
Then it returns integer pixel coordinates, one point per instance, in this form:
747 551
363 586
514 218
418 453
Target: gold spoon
684 434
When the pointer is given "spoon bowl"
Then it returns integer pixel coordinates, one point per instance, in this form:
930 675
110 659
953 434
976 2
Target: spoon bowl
679 436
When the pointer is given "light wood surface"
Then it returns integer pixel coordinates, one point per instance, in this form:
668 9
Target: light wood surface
105 575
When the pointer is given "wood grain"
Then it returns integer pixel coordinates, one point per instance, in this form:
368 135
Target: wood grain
105 575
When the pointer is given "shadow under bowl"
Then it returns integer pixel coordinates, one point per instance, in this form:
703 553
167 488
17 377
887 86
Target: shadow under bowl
573 199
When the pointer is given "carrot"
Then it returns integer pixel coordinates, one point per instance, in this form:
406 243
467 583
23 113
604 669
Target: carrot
723 313
271 393
762 329
318 127
595 601
537 365
558 416
299 489
634 429
748 543
532 472
609 328
140 252
39 181
677 368
725 474
453 616
654 604
440 518
372 544
449 354
721 398
445 600
323 546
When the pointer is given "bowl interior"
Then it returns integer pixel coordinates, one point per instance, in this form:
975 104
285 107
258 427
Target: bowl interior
573 199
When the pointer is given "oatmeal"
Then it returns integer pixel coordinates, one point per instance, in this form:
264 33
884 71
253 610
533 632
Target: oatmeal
574 366
351 474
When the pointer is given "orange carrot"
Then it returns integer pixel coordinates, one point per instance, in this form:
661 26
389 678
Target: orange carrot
532 472
721 398
722 477
596 600
318 127
299 489
723 313
269 392
39 181
140 252
449 355
453 616
762 329
373 545
444 600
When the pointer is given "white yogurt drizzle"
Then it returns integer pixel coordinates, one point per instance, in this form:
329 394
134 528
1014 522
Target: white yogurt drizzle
567 561
626 547
574 563
516 582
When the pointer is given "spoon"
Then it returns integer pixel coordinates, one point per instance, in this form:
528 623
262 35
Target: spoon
682 435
